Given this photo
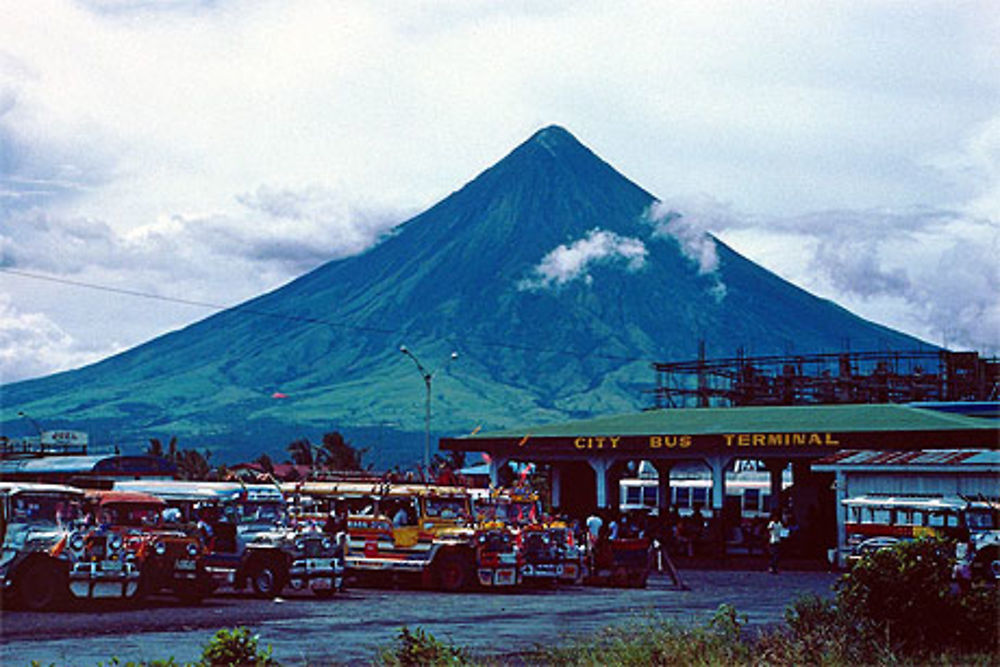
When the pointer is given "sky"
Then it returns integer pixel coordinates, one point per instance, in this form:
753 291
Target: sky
204 152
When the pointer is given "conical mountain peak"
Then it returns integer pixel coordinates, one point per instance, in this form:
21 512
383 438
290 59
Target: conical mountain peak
540 272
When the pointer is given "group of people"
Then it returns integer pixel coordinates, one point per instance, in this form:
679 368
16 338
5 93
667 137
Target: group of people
672 534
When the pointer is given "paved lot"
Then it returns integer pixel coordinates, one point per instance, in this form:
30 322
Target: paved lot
348 629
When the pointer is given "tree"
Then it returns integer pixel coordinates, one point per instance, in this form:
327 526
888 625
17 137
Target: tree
264 461
190 463
338 454
301 452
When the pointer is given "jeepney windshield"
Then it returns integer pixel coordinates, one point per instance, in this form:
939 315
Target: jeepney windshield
259 512
130 514
44 508
447 508
518 511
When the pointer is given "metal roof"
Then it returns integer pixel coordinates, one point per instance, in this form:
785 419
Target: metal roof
43 466
805 430
769 419
969 459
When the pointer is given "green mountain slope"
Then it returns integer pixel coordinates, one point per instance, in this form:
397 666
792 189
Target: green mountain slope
460 276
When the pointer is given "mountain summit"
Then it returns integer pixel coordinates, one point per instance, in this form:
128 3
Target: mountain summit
555 278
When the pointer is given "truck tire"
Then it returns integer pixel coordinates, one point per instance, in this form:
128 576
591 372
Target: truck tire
40 585
267 578
452 572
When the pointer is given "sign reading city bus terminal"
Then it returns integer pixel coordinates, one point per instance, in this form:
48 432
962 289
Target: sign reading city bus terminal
731 440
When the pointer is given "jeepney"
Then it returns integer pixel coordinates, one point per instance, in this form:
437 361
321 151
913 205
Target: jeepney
878 522
49 552
619 562
250 538
420 530
547 545
168 557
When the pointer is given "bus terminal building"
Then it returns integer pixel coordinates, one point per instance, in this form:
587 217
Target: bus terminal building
587 459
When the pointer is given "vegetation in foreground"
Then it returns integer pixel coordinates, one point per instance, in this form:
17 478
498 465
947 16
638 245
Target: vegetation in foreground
897 607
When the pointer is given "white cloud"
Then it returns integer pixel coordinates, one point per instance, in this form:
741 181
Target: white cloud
691 231
32 344
573 261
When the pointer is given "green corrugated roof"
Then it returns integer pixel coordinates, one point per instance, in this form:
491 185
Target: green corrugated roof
780 419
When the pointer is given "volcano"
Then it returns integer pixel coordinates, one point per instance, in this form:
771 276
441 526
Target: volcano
555 278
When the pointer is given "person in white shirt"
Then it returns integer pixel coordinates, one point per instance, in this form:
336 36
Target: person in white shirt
775 532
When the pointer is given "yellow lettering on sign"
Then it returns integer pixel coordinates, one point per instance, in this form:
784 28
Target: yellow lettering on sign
798 438
655 442
830 441
579 443
775 439
814 439
729 439
614 441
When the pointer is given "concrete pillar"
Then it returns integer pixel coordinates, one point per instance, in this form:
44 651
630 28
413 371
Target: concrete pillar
841 495
776 468
718 465
663 485
615 472
600 467
556 485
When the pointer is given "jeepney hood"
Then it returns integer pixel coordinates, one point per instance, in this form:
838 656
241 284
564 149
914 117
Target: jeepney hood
23 538
450 531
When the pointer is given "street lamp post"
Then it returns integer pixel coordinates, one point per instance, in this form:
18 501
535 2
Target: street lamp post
427 376
25 415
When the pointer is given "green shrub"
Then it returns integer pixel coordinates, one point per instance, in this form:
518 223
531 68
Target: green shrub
421 648
236 648
657 641
904 598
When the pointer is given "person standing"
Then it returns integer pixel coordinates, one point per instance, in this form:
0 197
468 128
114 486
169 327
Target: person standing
775 533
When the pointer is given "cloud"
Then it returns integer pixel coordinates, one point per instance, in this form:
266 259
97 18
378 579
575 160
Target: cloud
929 272
691 231
573 261
31 344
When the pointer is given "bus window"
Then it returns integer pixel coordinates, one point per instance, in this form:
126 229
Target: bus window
936 519
633 495
683 497
700 496
981 520
650 496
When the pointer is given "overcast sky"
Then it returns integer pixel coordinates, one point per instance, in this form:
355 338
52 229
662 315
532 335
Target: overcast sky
209 151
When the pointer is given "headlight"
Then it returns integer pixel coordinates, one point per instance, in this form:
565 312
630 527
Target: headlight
326 543
300 545
77 542
482 539
160 548
192 549
115 542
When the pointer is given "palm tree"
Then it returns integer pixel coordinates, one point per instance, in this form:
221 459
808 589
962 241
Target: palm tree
338 454
301 452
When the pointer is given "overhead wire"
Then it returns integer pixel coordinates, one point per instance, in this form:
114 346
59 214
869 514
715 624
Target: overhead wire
302 319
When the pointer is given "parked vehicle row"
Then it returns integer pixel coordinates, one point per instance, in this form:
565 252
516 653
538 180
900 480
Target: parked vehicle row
192 540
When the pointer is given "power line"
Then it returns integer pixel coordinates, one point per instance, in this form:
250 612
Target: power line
297 318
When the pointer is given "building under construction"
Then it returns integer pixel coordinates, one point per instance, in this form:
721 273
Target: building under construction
809 379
